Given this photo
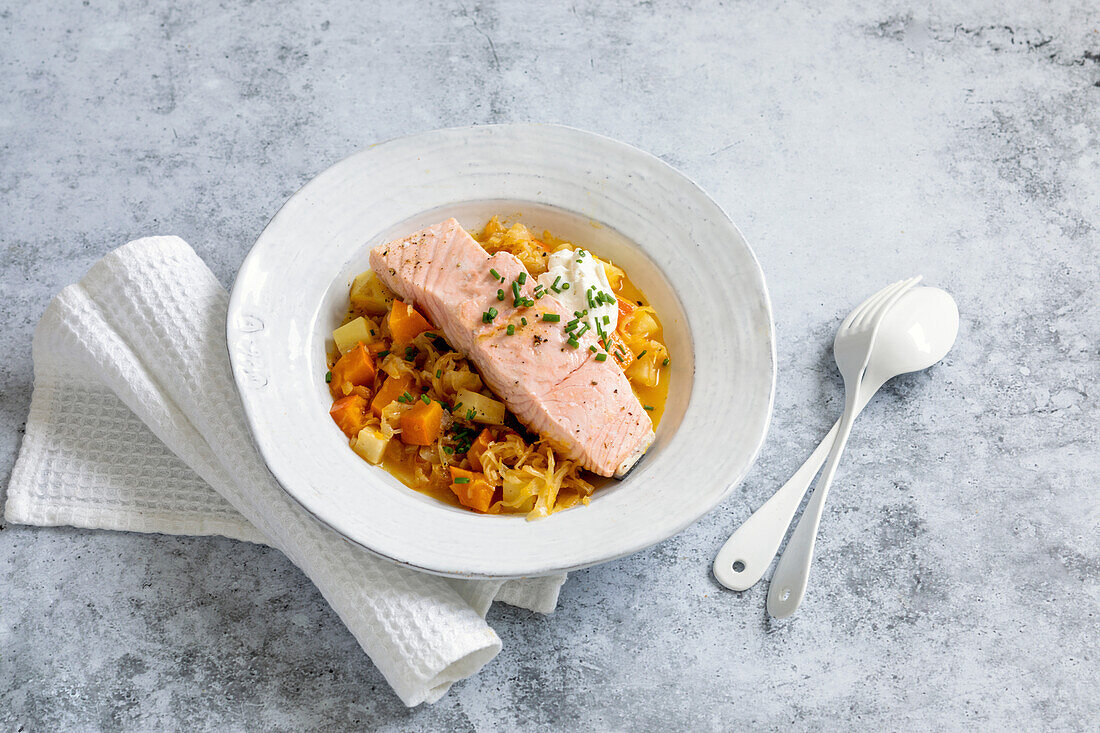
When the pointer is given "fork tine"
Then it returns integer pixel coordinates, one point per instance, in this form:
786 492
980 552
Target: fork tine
862 307
871 308
876 318
873 316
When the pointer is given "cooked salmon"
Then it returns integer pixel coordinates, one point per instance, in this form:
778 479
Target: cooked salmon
583 406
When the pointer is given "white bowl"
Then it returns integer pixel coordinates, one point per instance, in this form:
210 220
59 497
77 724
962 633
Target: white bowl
676 244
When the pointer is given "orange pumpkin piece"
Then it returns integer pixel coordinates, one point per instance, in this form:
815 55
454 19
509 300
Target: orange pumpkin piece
421 424
479 447
377 347
390 390
625 309
406 322
618 351
471 489
353 369
350 414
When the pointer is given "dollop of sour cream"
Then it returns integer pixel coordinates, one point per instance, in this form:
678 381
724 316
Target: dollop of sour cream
581 271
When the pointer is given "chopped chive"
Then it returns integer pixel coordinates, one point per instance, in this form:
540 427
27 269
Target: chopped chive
522 277
328 378
648 407
462 480
592 349
410 353
573 342
607 320
425 399
578 314
448 449
554 287
523 320
565 286
515 290
408 397
618 356
372 332
500 295
551 317
494 273
457 405
528 302
471 414
438 373
601 357
383 354
511 330
581 331
572 324
642 353
665 362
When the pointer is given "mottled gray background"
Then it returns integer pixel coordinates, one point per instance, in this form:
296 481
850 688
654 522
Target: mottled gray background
957 582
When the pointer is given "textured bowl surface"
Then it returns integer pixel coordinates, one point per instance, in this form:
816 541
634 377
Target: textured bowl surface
672 239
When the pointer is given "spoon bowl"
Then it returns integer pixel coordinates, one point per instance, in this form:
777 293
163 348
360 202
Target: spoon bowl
916 333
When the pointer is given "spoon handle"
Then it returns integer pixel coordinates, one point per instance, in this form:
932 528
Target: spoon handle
788 584
749 551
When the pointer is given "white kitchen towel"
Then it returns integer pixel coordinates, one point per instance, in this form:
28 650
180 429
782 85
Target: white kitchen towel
135 424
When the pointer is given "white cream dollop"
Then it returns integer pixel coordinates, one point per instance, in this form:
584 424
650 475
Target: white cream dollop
582 271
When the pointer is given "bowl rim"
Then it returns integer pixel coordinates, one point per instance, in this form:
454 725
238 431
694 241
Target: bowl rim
240 367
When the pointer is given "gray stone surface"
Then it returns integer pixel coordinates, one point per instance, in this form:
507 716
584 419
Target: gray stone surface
957 582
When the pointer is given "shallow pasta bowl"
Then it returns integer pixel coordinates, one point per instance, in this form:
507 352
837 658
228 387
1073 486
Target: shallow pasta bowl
674 242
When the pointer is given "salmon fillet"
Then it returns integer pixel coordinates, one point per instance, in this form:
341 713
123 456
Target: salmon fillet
584 407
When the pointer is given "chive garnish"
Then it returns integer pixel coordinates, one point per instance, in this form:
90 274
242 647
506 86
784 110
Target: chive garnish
572 324
601 356
648 407
425 399
607 320
448 449
551 317
462 480
511 330
383 354
554 287
408 397
573 342
515 290
642 353
500 295
565 286
410 353
524 322
592 349
494 273
522 277
471 414
581 331
438 373
665 362
457 405
328 378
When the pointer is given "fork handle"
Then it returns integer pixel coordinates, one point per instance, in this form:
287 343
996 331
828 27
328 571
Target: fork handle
753 546
788 585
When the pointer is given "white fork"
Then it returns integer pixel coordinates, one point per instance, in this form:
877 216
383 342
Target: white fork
852 351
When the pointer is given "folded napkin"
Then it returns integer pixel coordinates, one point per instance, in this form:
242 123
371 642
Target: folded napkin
135 424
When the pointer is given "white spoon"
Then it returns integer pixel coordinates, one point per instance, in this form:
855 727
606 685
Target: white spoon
916 333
